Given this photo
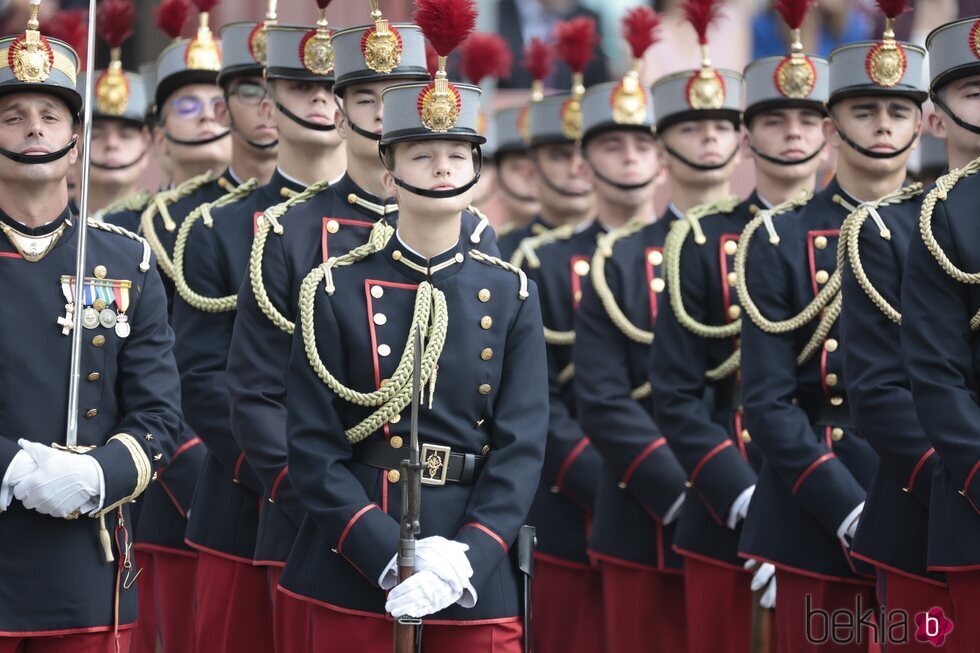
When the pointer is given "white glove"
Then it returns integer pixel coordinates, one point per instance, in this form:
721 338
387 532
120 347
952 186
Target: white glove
740 507
848 527
764 576
445 558
675 509
62 484
421 595
19 468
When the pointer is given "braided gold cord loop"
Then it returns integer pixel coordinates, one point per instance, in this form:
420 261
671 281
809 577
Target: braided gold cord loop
641 391
119 231
133 202
527 248
943 185
203 213
522 292
269 221
603 251
727 367
159 206
673 247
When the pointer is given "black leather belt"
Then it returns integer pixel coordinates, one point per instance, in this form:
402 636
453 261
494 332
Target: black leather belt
440 465
820 411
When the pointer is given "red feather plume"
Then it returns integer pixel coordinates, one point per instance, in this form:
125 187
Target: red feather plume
115 21
639 29
893 8
431 59
485 55
70 26
793 11
537 59
205 5
701 13
322 4
575 40
446 23
172 15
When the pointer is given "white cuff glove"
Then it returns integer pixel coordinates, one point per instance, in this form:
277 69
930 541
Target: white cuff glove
675 510
848 527
764 576
19 468
62 484
444 558
740 507
421 595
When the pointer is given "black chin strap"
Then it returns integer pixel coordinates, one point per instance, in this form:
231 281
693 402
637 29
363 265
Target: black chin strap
449 192
304 123
39 158
253 144
870 153
786 162
616 184
970 127
552 185
700 166
374 136
124 166
203 141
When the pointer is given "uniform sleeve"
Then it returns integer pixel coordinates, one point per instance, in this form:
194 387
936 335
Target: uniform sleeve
257 367
8 449
502 495
147 434
812 472
939 351
319 453
877 383
679 359
621 429
202 340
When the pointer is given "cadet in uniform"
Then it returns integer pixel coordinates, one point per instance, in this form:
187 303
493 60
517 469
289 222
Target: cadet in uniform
641 486
120 135
810 494
213 250
938 324
695 352
210 259
68 573
514 179
614 123
482 421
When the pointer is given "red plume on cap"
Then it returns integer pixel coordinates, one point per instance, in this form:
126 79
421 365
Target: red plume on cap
446 23
575 39
323 4
639 29
892 8
431 59
115 21
205 5
537 59
70 26
701 13
172 15
485 55
793 11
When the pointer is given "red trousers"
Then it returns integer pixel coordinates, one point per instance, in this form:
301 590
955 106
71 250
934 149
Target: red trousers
898 592
173 576
644 610
292 624
964 588
234 612
566 603
147 632
339 632
719 607
804 607
81 643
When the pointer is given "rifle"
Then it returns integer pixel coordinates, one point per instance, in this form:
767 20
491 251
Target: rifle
411 479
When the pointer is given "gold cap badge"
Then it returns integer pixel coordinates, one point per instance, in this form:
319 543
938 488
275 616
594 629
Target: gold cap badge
382 44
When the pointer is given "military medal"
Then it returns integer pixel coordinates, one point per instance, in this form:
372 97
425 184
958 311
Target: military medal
121 292
107 318
122 326
90 318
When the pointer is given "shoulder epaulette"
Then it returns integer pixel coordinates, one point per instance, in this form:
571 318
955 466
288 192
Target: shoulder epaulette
603 251
477 234
526 249
944 185
119 231
269 221
133 202
503 265
159 204
203 213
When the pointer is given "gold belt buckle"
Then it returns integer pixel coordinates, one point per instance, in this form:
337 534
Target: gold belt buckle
435 464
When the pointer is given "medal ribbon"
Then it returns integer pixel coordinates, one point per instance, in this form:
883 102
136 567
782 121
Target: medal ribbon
122 298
